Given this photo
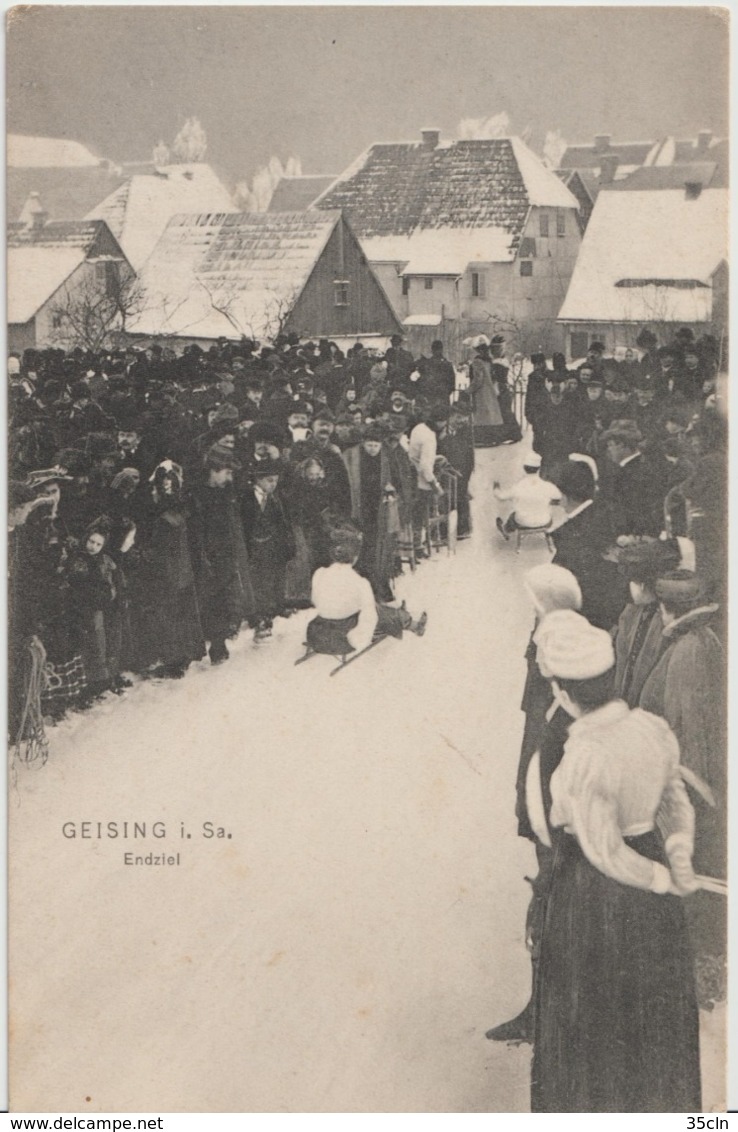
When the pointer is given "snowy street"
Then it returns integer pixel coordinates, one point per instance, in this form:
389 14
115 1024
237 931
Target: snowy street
347 947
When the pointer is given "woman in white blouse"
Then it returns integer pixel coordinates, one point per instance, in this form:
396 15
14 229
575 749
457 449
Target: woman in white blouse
347 617
616 1021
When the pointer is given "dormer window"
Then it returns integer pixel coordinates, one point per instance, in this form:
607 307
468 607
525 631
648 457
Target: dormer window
341 292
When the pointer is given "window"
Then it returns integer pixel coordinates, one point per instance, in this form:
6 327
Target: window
478 285
579 344
560 223
106 276
341 292
406 284
428 283
57 321
527 248
544 223
526 267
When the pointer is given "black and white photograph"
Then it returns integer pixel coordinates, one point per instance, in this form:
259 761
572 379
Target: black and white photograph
392 339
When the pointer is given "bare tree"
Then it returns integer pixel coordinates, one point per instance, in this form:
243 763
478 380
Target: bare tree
476 129
257 196
191 142
554 147
92 313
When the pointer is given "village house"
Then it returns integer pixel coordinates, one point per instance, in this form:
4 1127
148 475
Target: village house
138 211
655 258
605 163
295 193
228 275
466 237
69 282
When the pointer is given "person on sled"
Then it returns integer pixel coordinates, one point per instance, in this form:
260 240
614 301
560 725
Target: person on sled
348 617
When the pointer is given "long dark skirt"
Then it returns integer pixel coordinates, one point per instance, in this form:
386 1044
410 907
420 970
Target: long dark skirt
616 1021
331 635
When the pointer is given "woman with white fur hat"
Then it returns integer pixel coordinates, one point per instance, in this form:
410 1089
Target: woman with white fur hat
616 1021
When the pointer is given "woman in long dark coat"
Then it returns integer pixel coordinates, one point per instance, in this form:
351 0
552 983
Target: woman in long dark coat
616 1021
95 590
375 508
309 507
165 616
220 558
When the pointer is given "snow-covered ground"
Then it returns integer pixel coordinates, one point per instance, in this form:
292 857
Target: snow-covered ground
346 948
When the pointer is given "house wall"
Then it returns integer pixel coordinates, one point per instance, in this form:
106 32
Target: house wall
21 336
368 311
51 332
624 334
525 307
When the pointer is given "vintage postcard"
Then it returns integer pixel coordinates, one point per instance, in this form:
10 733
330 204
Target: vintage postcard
367 442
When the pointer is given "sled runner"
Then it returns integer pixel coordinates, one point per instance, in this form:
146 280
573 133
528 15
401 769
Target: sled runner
345 659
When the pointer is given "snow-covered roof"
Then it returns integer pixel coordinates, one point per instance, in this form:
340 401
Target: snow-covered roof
649 256
27 152
229 274
449 251
34 274
294 194
398 190
422 320
140 209
666 176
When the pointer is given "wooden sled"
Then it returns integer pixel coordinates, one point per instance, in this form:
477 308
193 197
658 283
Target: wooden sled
345 659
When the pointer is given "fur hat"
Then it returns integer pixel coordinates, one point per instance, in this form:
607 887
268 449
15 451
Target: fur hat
219 457
626 431
262 468
571 649
553 587
646 560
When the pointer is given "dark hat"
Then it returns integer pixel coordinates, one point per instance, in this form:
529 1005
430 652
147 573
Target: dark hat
646 339
270 433
685 334
625 430
619 385
220 456
324 414
596 348
647 559
538 359
225 412
19 494
262 468
374 432
680 587
298 407
100 444
74 461
575 480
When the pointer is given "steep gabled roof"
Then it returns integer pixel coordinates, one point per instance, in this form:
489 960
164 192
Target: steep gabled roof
590 157
28 152
647 256
666 177
295 194
39 261
394 192
55 234
228 274
140 209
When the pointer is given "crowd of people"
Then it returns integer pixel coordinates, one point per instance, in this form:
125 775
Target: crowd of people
160 502
622 777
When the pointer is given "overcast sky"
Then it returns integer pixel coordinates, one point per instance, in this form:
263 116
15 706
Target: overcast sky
324 83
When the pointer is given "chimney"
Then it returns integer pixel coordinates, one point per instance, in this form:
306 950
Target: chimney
602 142
704 137
430 138
34 215
693 189
608 166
